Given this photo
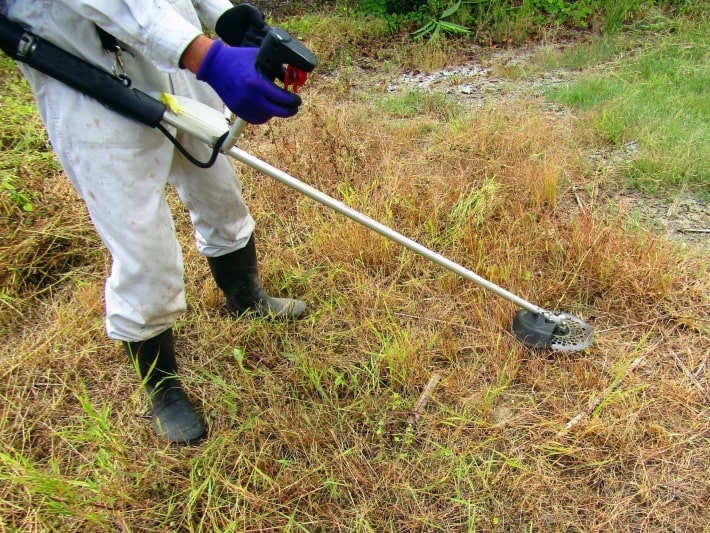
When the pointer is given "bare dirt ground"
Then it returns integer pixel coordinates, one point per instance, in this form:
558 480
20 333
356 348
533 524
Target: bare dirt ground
476 82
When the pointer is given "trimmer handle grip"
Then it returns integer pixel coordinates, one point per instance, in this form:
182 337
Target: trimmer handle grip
280 57
280 49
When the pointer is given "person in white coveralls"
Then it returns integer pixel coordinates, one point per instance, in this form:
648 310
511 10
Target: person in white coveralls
120 167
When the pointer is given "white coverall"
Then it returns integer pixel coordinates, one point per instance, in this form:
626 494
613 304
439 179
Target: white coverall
120 167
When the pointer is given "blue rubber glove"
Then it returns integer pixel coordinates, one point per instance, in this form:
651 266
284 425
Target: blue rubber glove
232 73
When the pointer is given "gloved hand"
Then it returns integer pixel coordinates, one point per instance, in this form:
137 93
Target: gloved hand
232 73
242 25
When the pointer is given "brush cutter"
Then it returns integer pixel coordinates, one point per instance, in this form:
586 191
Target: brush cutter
284 57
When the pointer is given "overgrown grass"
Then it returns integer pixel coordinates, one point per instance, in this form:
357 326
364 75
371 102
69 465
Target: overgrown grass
314 425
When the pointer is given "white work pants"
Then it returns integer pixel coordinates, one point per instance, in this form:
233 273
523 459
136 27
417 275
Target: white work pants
120 169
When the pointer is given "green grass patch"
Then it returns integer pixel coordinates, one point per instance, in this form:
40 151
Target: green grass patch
415 102
656 95
584 54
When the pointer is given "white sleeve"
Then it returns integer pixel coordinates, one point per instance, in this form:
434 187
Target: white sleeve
210 10
158 29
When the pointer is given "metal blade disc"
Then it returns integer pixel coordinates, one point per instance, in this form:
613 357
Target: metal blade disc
573 335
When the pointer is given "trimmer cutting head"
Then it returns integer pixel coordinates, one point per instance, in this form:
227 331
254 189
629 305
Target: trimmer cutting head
567 333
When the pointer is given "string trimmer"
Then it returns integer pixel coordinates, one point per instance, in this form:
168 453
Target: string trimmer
284 57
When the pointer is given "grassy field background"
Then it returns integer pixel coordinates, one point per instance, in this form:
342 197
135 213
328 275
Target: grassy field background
402 402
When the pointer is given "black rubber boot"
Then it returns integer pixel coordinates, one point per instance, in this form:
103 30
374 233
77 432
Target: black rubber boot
174 417
237 275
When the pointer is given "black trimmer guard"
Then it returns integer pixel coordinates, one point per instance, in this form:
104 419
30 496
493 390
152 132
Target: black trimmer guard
570 334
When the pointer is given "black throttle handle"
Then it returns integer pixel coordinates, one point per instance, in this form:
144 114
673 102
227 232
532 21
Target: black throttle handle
284 57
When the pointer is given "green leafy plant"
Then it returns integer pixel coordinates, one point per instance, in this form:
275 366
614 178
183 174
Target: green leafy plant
564 12
16 195
435 26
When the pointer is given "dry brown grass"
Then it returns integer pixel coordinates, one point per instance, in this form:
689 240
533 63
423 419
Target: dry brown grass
40 245
310 426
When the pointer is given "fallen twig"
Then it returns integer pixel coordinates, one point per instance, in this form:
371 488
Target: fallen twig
579 202
701 368
688 373
418 409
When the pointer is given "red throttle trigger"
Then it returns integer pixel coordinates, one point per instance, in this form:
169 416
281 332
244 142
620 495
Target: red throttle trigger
294 78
